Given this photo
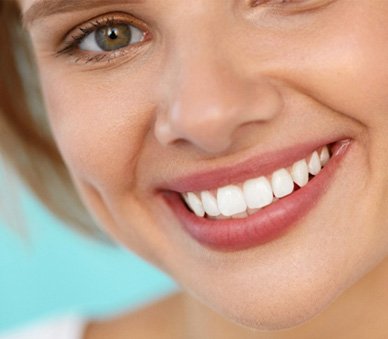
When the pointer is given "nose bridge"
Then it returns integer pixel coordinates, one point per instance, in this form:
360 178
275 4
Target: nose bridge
198 60
209 95
205 90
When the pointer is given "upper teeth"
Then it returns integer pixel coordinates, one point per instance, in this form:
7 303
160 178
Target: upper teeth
246 198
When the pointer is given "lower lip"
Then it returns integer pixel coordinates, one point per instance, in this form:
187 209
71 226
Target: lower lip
267 224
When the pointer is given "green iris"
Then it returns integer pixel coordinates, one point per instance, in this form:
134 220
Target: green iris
109 38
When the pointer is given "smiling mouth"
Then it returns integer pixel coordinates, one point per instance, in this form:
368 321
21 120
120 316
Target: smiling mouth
244 199
257 209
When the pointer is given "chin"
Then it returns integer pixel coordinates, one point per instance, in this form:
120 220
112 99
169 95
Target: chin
279 313
282 305
277 317
295 298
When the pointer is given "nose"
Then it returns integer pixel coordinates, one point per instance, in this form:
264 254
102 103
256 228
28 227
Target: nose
209 98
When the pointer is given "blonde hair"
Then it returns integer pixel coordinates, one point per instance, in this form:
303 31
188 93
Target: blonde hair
26 143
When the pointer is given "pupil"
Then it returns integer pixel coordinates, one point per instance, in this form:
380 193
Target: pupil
113 34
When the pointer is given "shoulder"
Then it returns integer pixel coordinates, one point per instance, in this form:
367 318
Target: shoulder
157 320
57 328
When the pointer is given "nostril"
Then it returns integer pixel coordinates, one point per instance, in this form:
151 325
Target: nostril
207 135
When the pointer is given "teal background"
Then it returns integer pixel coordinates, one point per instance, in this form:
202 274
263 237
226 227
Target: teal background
48 270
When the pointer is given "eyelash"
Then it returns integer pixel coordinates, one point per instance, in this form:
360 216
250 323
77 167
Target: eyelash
71 44
291 6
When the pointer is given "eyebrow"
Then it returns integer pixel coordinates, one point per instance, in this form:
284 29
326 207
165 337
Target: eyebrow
44 8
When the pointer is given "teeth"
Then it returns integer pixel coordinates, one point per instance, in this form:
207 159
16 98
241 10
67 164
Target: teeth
230 200
324 156
209 203
195 204
242 200
300 173
257 192
314 164
282 183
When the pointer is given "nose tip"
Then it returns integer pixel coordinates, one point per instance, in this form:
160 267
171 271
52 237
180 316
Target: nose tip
209 100
208 120
203 128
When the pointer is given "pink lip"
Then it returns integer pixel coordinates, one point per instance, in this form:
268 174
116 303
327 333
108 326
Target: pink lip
265 225
265 164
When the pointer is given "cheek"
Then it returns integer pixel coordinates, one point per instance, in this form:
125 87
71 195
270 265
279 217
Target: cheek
343 63
353 73
355 79
100 127
343 66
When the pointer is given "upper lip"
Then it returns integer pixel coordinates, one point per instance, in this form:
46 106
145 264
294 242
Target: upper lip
251 167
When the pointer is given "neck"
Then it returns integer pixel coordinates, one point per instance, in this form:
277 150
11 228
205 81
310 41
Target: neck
360 312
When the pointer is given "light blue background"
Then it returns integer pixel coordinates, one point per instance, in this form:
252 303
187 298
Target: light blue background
49 270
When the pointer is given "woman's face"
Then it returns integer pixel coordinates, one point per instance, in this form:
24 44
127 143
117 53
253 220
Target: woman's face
150 100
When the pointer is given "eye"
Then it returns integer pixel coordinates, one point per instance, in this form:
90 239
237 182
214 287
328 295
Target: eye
106 38
292 5
255 3
111 37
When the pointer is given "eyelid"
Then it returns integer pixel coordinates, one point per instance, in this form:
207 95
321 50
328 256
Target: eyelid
291 6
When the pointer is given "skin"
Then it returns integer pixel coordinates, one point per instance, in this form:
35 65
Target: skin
221 82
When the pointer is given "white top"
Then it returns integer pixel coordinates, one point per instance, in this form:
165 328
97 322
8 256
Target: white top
69 327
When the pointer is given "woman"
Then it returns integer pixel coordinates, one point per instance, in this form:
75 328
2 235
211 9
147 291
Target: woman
238 145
